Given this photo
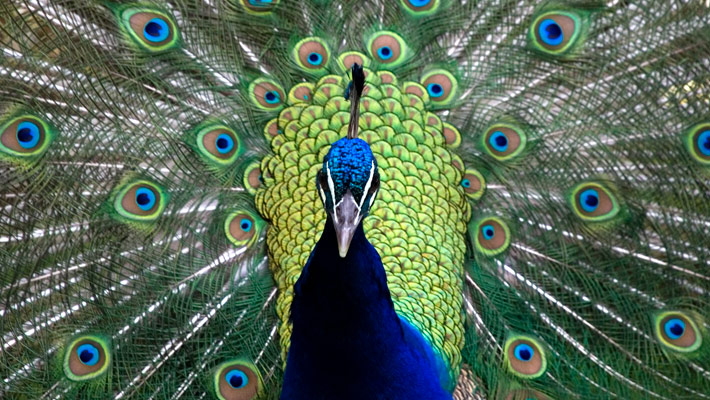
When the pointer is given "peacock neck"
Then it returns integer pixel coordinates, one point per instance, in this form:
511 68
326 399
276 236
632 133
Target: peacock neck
335 292
347 340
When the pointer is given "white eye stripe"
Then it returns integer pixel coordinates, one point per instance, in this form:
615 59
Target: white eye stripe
331 185
367 186
322 194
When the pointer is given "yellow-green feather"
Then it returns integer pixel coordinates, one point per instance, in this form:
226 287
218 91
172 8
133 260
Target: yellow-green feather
420 180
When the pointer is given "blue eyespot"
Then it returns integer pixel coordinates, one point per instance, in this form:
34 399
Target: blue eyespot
488 231
264 3
27 134
675 328
466 183
315 59
498 141
272 97
435 90
245 224
224 143
550 32
419 3
88 354
145 198
156 30
236 379
384 52
704 142
589 200
524 352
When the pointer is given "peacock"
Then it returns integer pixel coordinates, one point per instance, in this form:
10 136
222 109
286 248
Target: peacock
331 199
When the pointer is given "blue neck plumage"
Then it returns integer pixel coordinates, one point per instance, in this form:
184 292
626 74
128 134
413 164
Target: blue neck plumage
347 340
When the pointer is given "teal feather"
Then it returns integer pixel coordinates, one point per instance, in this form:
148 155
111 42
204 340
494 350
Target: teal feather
178 297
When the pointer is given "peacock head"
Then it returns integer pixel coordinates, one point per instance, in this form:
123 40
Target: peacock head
348 184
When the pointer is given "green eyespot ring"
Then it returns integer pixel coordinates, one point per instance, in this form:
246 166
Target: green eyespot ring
237 380
242 227
140 201
301 93
347 59
504 141
555 32
420 8
491 236
697 140
593 202
677 331
25 136
86 357
219 144
441 87
150 29
473 183
259 7
387 48
267 94
252 177
312 55
525 357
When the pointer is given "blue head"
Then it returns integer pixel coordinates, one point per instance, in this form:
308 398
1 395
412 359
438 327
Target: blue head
348 184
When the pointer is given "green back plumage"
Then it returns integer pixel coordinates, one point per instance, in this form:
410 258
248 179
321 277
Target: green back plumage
548 197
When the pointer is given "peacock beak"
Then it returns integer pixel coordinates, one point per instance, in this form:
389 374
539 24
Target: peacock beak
346 218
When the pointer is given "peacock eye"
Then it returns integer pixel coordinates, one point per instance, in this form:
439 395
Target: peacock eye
267 94
237 380
24 136
218 144
347 59
593 202
303 92
555 32
311 54
420 8
259 7
252 177
241 227
441 86
271 129
473 183
140 201
387 48
493 236
86 357
452 136
699 143
152 30
504 141
524 357
677 331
